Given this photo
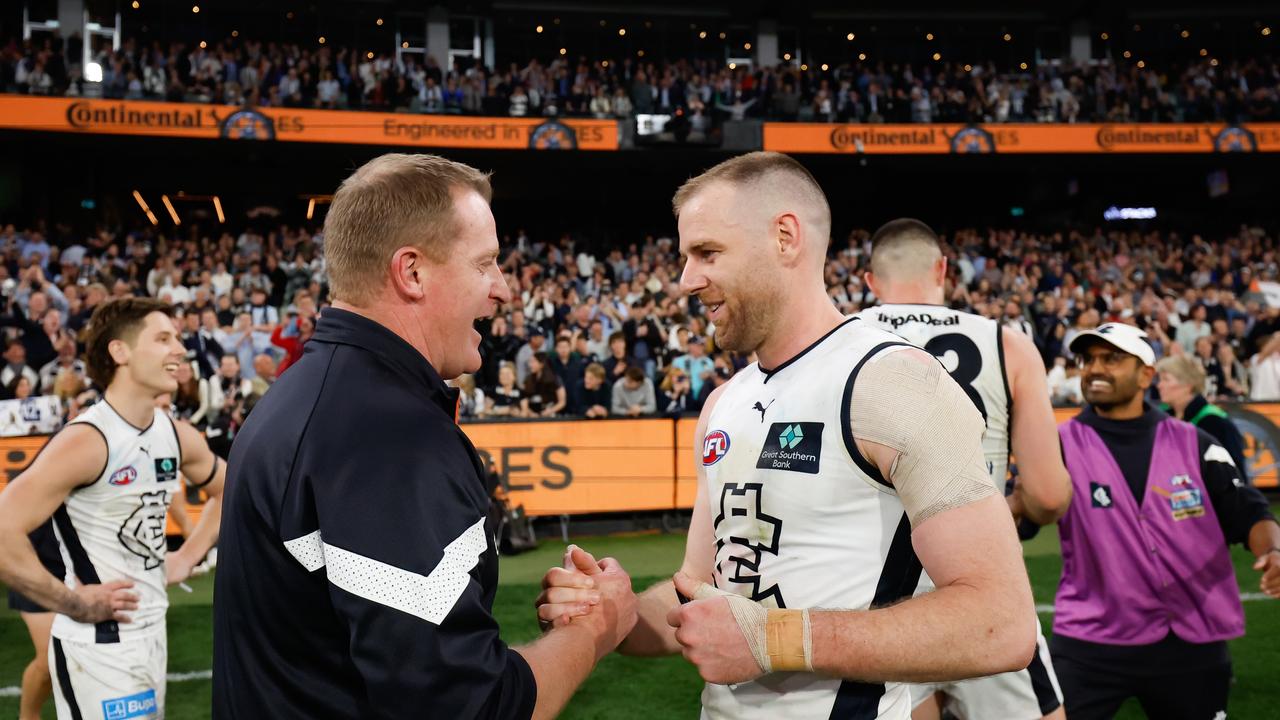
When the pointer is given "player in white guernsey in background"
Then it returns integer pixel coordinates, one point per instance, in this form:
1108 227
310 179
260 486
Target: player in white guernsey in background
107 479
826 469
1002 373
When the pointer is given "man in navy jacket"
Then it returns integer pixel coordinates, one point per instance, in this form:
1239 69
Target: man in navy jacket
357 570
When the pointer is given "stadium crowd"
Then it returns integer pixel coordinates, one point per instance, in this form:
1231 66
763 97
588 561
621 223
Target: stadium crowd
608 333
240 71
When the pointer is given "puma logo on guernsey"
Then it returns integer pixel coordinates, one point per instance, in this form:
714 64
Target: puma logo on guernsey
763 408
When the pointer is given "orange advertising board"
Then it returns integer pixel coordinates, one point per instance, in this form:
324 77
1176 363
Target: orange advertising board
192 120
586 466
1020 138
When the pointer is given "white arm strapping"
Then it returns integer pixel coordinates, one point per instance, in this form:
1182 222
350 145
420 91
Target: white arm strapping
904 400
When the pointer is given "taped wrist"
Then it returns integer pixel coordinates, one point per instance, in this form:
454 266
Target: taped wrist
780 640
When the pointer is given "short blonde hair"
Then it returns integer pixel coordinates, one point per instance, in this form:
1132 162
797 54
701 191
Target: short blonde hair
1186 370
756 168
392 201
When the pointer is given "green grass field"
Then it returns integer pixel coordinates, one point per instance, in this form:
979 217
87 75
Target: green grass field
635 688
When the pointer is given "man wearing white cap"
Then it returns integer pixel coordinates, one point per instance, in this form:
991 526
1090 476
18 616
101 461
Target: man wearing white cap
1148 596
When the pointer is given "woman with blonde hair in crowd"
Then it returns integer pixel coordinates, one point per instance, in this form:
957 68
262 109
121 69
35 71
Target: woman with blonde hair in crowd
1181 385
675 396
504 399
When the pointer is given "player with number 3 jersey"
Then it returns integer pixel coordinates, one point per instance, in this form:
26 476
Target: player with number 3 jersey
1002 373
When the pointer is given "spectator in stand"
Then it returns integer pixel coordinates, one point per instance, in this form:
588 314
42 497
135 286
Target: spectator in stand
633 394
505 398
471 400
66 362
567 366
1264 371
265 318
1182 390
537 342
15 356
238 341
597 342
618 361
544 394
676 397
1208 360
199 337
595 397
700 368
191 400
1192 330
264 367
292 338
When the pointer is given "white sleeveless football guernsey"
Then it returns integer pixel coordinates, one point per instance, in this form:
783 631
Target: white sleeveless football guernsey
114 527
971 348
801 518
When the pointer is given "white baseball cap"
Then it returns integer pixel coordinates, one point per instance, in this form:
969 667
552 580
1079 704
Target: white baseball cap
1126 338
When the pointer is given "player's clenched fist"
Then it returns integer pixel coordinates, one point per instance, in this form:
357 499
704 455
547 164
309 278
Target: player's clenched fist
733 639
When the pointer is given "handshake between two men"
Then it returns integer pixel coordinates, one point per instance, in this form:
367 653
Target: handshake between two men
729 638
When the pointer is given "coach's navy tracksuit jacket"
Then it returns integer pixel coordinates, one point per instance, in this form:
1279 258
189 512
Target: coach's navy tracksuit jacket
356 572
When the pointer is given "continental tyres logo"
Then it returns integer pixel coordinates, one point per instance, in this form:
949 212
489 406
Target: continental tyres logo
83 116
1111 137
242 124
846 138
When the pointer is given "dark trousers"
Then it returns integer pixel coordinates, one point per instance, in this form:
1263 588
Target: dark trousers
1094 693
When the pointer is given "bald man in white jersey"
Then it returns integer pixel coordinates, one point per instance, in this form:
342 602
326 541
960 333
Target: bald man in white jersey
831 471
1002 373
107 479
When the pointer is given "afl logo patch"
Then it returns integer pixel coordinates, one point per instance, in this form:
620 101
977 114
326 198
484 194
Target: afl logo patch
714 447
123 477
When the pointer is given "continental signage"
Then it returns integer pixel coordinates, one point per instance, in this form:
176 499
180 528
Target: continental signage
603 466
1020 138
189 120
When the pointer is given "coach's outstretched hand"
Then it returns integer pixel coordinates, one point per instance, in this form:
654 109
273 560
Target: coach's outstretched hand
583 587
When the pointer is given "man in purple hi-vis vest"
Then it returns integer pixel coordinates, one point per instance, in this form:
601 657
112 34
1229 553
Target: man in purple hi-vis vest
1148 597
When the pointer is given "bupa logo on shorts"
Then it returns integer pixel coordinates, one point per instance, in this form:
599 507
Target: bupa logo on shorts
796 447
714 447
123 476
1100 495
166 469
134 706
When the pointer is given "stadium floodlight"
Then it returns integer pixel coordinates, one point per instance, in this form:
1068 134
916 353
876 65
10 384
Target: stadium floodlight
93 72
173 213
